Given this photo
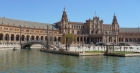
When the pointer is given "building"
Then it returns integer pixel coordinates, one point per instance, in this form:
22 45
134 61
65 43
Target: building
92 30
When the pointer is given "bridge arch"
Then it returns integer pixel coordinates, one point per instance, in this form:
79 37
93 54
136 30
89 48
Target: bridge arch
29 44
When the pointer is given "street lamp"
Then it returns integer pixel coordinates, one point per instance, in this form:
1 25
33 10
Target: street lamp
66 43
20 36
52 36
58 41
47 37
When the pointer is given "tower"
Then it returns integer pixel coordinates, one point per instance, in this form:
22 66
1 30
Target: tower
115 28
115 25
64 22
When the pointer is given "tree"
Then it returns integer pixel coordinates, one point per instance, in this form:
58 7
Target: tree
70 38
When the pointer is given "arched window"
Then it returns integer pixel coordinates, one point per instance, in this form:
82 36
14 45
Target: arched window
32 38
27 37
1 36
42 37
22 37
12 37
17 37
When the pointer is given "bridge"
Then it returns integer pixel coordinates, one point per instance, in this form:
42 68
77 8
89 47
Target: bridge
28 44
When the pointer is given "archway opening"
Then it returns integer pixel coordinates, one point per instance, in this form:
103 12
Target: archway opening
28 38
7 37
37 38
17 37
110 39
1 36
32 38
55 39
42 38
45 38
22 37
12 37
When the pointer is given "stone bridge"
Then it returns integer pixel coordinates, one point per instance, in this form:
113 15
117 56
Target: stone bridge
30 43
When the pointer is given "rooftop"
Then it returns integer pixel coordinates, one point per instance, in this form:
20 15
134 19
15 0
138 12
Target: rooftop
14 22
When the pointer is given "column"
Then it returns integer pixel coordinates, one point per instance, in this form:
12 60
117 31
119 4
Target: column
107 39
9 39
123 39
14 38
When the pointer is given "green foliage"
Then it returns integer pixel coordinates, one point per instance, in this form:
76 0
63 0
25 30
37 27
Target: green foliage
94 51
70 38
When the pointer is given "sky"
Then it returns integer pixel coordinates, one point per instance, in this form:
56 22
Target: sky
50 11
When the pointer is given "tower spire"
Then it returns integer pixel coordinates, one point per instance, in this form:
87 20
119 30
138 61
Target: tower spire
64 15
64 9
95 14
114 19
114 13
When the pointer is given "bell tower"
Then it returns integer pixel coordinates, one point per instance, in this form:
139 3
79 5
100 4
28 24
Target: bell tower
64 22
115 28
115 25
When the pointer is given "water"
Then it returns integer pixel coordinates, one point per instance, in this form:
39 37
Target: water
34 61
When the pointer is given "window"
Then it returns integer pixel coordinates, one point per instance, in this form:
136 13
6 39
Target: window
78 32
27 30
5 28
96 32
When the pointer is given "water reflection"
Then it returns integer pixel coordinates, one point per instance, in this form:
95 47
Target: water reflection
32 60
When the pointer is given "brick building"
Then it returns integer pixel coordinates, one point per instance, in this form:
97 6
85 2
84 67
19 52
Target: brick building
92 30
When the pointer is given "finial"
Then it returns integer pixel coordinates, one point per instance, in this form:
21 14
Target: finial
114 13
64 8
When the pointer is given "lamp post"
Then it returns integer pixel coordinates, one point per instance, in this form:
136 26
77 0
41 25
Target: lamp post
47 37
106 39
58 42
20 36
66 43
52 36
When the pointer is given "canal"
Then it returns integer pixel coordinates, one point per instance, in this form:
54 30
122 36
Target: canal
34 61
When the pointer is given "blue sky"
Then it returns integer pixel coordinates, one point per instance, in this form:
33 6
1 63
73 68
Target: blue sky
50 11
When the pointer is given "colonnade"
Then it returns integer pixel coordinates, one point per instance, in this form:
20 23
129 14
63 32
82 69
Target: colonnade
15 38
136 40
88 39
